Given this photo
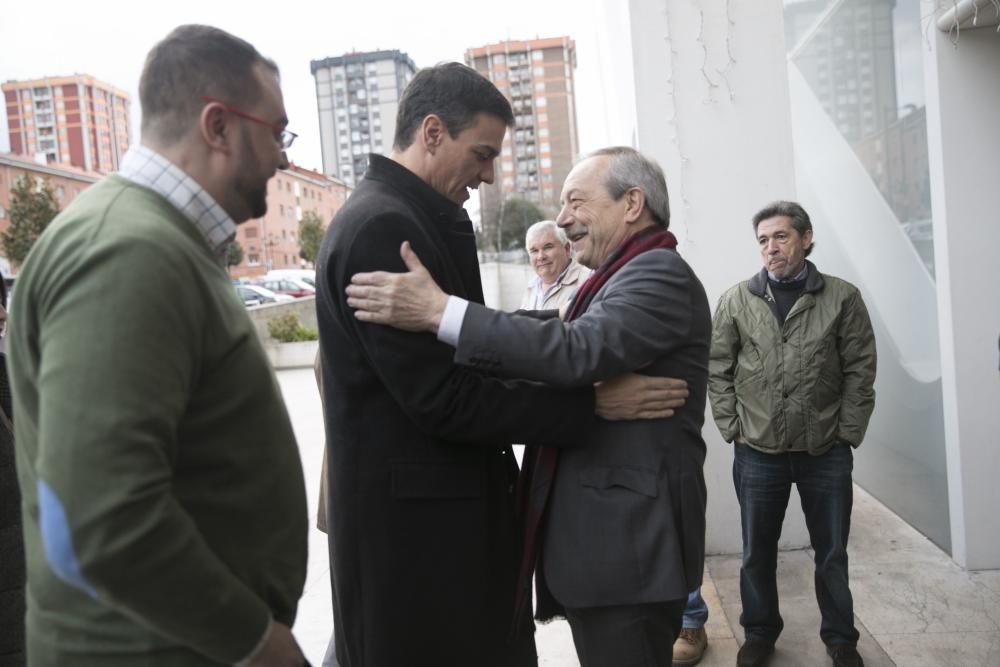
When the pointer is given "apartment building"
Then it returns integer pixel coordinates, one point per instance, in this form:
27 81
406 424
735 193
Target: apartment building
75 120
537 77
357 96
271 242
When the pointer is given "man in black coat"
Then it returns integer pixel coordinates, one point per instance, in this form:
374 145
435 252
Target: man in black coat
423 539
624 515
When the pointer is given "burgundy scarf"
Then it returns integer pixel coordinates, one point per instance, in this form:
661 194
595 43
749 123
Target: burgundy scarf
539 467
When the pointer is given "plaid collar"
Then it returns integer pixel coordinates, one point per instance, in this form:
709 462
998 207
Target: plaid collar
144 166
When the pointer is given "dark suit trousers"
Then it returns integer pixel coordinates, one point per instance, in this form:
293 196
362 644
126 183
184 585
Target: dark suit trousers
639 635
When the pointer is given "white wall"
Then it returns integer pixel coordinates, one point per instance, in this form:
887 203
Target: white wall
963 93
711 105
504 283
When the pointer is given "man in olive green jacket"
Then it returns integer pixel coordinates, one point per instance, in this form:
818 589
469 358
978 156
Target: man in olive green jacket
791 377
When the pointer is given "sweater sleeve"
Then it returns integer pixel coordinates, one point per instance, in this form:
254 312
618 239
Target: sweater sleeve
120 335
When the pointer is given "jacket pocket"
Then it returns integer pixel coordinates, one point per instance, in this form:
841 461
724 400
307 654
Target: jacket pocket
437 480
633 479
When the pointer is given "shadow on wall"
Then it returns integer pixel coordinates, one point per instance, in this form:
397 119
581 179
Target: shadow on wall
902 462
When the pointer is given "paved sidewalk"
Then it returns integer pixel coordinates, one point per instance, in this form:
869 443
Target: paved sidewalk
914 606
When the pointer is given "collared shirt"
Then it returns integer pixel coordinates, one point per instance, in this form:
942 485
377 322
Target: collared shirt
144 166
540 294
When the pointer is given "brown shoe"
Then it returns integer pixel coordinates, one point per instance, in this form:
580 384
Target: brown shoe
754 653
845 655
690 646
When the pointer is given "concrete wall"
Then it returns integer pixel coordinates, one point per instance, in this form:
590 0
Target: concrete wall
711 104
305 308
504 283
963 103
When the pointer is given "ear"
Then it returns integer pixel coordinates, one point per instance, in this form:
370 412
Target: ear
432 131
214 126
807 239
635 204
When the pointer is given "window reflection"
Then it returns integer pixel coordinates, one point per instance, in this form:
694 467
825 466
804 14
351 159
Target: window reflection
862 59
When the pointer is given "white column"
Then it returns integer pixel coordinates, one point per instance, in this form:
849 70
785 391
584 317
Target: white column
963 105
712 106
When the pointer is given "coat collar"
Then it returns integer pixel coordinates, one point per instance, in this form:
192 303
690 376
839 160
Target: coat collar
814 281
415 189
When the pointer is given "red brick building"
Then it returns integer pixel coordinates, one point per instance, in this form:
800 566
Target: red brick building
272 242
66 182
75 120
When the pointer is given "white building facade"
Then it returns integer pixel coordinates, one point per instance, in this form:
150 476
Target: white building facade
879 117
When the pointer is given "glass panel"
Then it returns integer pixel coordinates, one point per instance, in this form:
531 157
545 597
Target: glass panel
863 61
859 123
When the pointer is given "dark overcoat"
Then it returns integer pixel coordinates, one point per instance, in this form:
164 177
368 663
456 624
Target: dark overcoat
423 539
12 571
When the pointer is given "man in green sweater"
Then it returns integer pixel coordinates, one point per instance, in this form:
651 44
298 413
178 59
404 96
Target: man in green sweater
164 505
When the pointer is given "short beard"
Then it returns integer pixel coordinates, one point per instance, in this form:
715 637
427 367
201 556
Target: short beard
256 198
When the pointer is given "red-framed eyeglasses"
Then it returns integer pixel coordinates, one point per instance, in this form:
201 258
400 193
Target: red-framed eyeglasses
285 137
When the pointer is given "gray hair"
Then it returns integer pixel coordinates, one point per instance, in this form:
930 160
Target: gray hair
628 168
543 226
791 210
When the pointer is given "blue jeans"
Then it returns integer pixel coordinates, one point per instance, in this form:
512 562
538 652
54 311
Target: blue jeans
763 483
696 611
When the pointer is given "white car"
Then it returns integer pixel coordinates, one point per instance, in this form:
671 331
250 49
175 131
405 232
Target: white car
308 276
256 293
290 286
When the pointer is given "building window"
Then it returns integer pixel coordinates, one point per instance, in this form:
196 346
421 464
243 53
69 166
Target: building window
251 232
253 260
539 71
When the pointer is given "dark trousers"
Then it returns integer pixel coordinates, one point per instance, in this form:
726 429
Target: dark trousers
640 635
763 483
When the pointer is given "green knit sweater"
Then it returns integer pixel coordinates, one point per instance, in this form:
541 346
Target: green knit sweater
164 503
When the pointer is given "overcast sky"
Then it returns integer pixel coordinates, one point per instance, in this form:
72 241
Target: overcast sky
110 38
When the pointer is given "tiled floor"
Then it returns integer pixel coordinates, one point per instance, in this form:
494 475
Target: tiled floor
914 606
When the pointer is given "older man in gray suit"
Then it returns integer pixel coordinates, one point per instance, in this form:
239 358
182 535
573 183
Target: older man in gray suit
624 513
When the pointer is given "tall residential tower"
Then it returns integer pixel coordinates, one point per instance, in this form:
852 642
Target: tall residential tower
357 95
76 120
537 77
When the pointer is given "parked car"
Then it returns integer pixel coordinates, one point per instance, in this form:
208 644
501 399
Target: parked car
255 295
289 286
308 276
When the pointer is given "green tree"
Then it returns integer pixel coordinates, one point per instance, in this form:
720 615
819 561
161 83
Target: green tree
311 233
31 211
518 214
234 254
